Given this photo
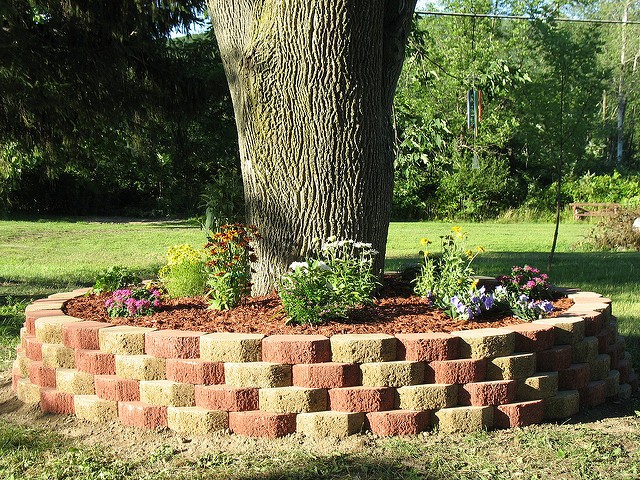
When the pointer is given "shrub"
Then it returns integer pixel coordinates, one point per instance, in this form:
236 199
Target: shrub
339 279
525 293
114 278
229 260
133 302
615 233
185 274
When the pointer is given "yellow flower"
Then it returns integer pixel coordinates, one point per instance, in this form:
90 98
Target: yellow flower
480 249
474 284
469 253
425 241
456 229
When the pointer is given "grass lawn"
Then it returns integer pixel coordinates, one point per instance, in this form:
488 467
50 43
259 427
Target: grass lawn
46 256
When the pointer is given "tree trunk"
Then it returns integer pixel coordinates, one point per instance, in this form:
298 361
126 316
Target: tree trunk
312 84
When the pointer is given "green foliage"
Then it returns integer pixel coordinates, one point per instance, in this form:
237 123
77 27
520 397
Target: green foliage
114 278
328 286
230 255
184 275
608 188
223 199
615 233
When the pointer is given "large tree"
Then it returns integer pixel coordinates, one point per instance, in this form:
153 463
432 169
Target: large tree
312 84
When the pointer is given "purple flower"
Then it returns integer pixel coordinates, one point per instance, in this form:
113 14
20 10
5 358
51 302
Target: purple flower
546 306
488 302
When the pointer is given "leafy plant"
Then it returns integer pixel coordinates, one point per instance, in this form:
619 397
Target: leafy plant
114 278
133 302
521 305
229 260
615 233
339 279
185 274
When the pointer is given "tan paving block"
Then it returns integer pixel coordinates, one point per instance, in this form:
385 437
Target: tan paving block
599 367
231 347
392 374
27 392
75 382
49 329
563 405
613 383
196 421
363 348
44 304
167 393
538 387
140 367
511 367
463 419
568 330
123 339
585 351
22 363
58 356
427 397
292 399
329 424
94 409
486 343
257 374
625 391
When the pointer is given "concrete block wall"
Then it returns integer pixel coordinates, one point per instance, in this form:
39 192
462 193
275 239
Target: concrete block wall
251 384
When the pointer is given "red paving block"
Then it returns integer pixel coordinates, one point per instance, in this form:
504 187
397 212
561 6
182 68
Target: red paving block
574 378
32 316
41 375
593 323
554 359
51 400
82 335
398 422
138 414
293 349
532 337
326 375
33 349
634 382
593 394
518 414
110 387
95 362
427 347
483 394
262 424
194 371
616 352
624 367
226 398
603 337
172 344
361 399
15 376
467 370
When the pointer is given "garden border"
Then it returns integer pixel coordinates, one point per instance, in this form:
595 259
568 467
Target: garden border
250 384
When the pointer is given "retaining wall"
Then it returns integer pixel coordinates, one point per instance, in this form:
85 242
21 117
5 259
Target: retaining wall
249 384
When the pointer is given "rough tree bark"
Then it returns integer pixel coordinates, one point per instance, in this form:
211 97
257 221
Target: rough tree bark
312 83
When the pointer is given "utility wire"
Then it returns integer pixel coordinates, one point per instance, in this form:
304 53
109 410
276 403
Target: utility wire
530 18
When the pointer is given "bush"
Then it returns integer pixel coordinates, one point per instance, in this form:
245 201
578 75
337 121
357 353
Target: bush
114 278
185 274
134 302
615 233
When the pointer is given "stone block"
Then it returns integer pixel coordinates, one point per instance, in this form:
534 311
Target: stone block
41 375
75 382
55 401
257 374
427 347
392 374
231 347
95 409
594 394
460 371
575 377
326 375
140 367
563 405
33 348
292 399
594 322
262 424
44 304
613 383
486 343
599 367
111 387
138 414
173 343
363 348
192 421
537 387
518 414
427 397
511 367
624 367
22 363
398 422
15 376
568 330
58 356
585 351
361 399
32 316
82 335
27 392
464 419
555 359
482 394
530 337
49 329
624 391
95 362
123 339
294 349
195 371
167 393
329 424
226 398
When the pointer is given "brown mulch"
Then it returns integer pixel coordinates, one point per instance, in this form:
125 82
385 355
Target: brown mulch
395 310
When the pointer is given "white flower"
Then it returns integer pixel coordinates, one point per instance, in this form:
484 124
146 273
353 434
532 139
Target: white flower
297 265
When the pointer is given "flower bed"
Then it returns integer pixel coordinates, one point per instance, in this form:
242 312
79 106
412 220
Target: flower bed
257 385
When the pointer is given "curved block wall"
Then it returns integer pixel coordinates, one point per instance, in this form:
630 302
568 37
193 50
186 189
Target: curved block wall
250 384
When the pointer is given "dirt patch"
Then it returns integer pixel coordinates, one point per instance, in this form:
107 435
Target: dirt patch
395 310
